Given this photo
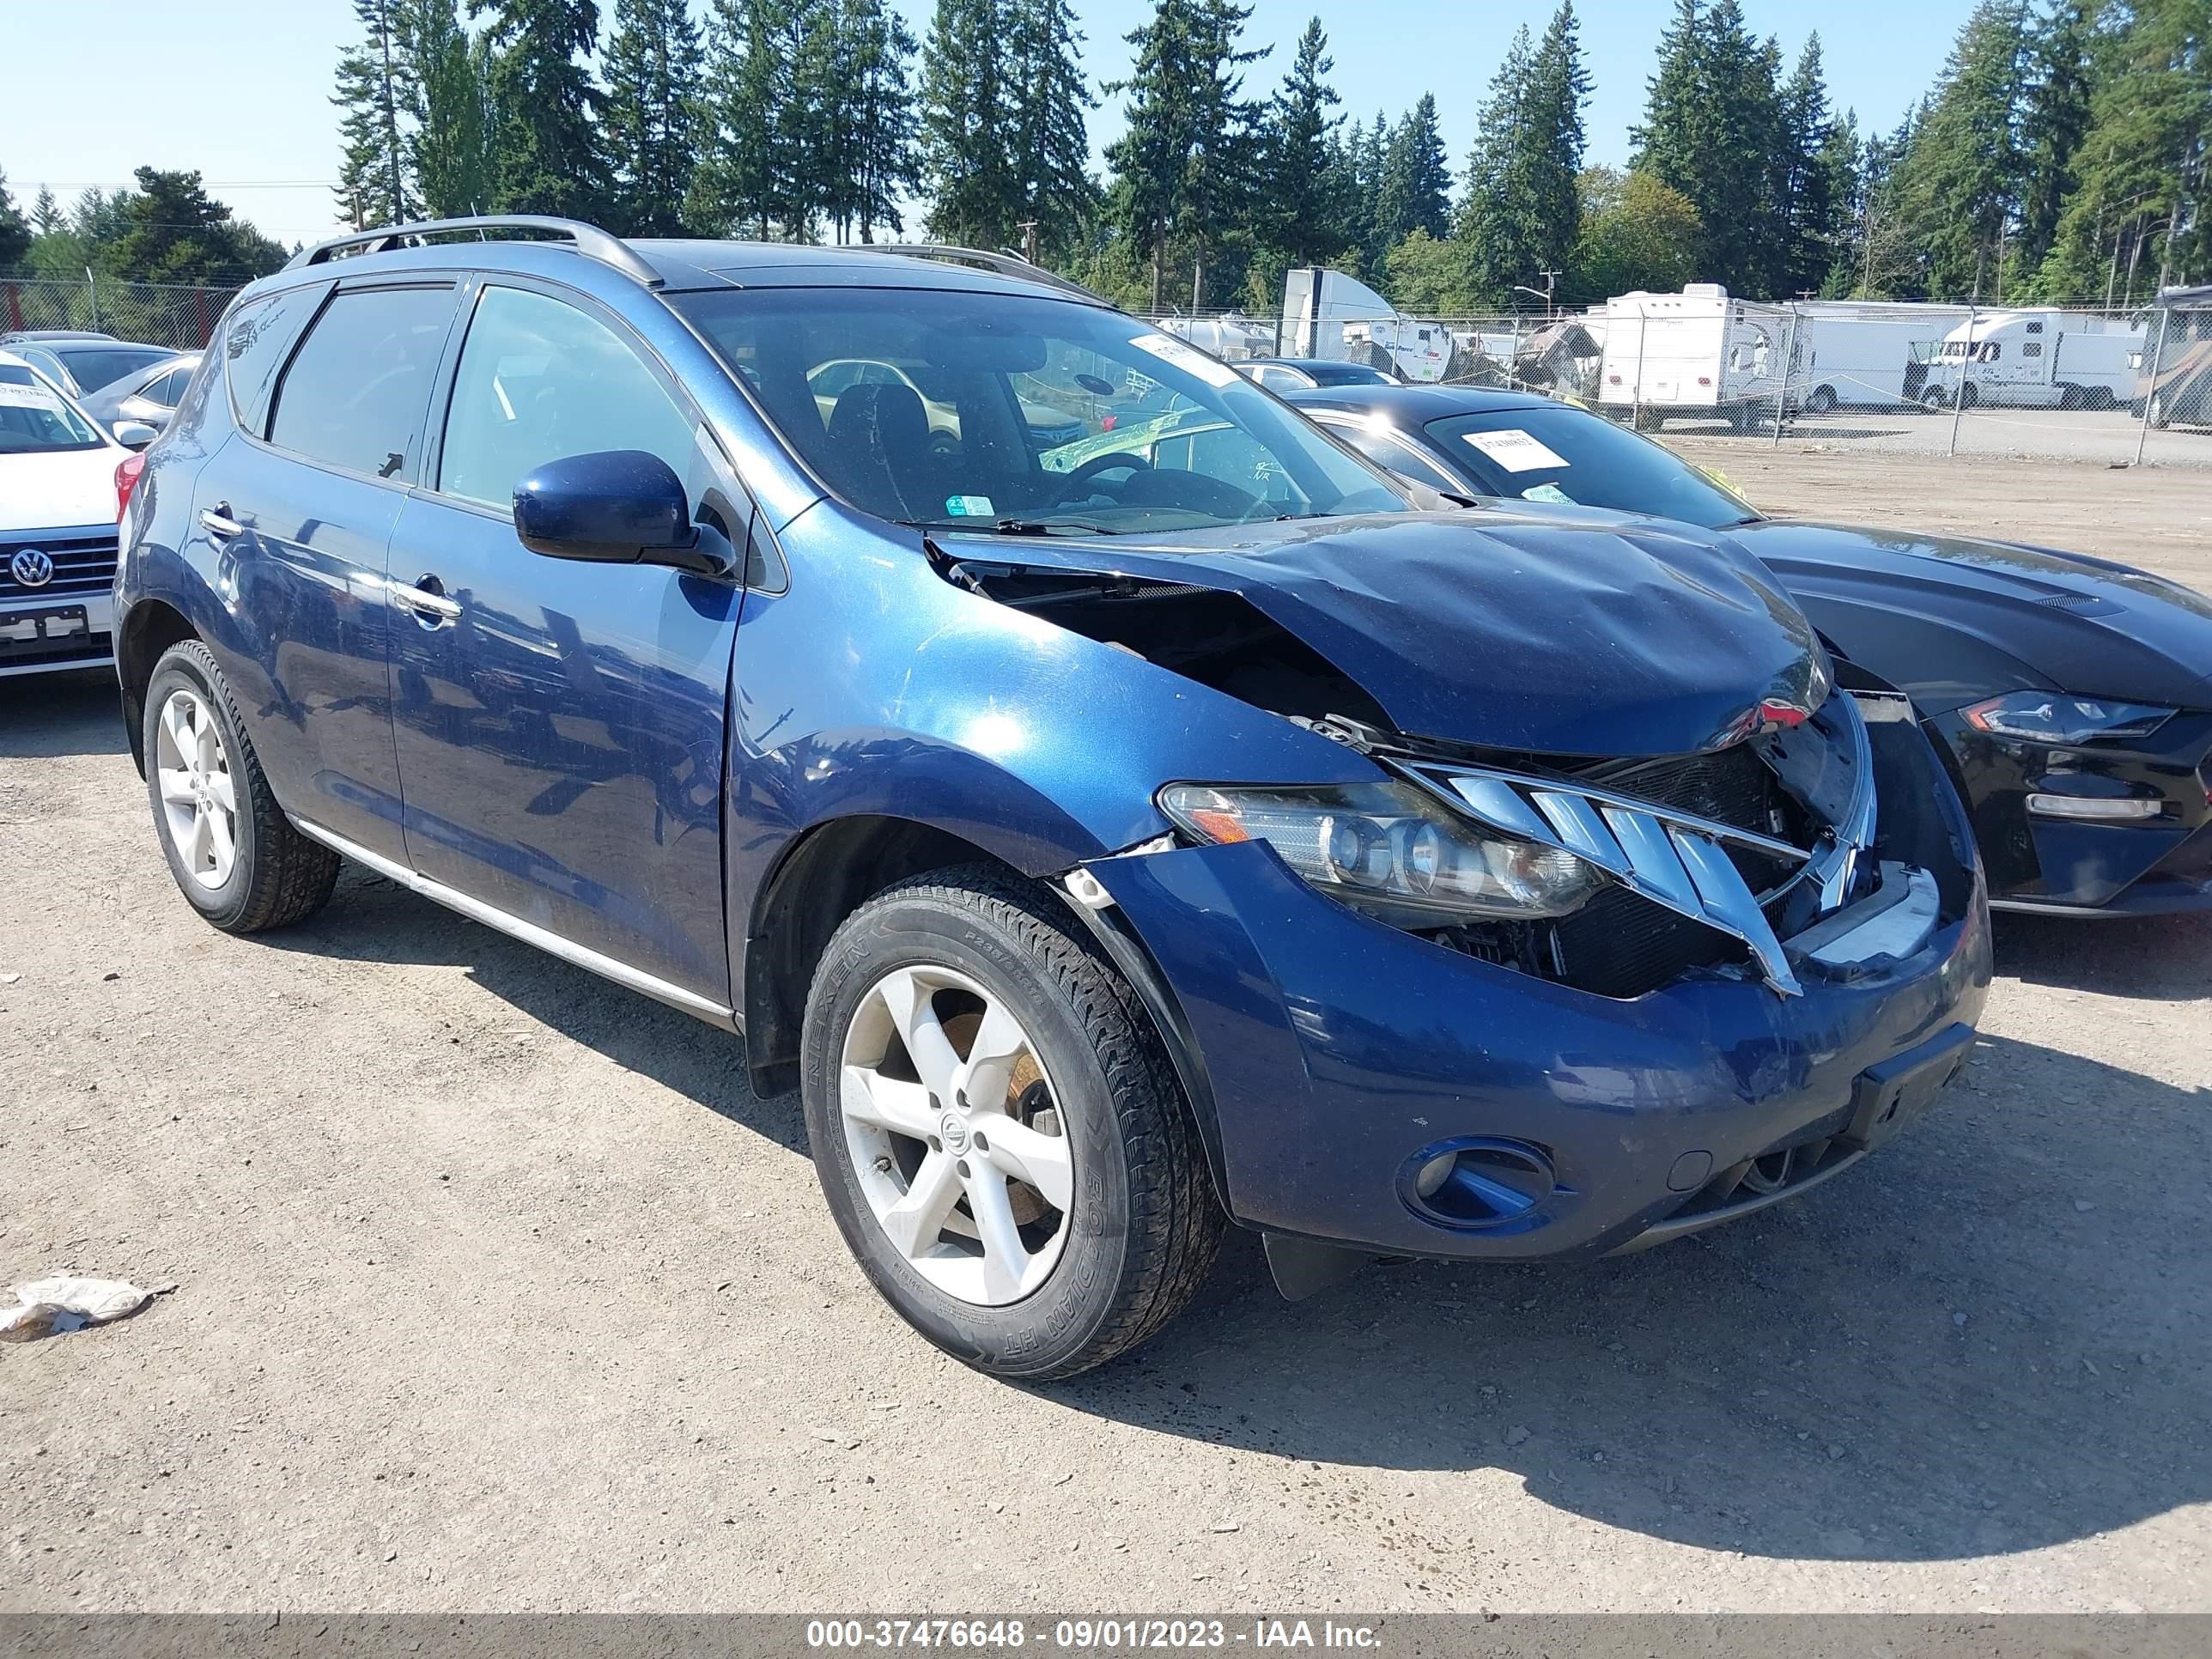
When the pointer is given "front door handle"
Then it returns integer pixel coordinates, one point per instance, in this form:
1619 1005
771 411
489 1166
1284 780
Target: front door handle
217 522
427 599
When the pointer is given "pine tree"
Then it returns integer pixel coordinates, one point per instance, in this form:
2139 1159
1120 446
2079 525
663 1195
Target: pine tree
46 218
1047 95
1958 186
1552 158
170 231
15 229
1809 207
450 148
1713 130
1497 231
1304 200
742 179
2054 122
1414 191
1185 163
967 139
876 158
545 139
375 88
1845 187
653 65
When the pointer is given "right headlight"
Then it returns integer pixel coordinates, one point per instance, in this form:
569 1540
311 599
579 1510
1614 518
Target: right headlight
1389 850
2054 717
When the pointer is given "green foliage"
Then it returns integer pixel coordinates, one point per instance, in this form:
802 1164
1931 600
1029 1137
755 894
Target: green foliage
375 87
967 143
545 149
1306 207
450 144
1959 184
15 229
1049 97
1414 190
1186 164
1636 232
169 230
652 127
1519 217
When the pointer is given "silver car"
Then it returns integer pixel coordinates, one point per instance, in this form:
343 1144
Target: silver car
148 395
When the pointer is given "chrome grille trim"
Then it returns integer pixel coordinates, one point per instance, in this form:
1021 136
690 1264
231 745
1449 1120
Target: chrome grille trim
1676 859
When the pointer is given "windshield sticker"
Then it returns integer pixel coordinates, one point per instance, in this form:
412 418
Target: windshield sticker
28 396
1550 494
1515 450
1188 359
970 506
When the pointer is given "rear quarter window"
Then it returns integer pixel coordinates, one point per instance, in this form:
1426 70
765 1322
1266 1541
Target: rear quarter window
256 340
357 391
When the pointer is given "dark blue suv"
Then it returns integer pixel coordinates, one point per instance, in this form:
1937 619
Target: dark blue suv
1115 825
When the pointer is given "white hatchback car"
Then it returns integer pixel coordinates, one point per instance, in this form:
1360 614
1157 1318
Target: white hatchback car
62 480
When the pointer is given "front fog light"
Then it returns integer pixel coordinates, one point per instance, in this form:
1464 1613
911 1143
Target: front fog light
2097 809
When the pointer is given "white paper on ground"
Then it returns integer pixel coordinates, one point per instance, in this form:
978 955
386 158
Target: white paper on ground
67 1303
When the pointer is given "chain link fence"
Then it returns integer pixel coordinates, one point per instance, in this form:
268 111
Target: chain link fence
158 313
2114 387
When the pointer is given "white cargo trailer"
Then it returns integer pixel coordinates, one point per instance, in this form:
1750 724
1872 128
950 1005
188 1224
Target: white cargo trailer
1326 313
2034 360
1699 352
1848 360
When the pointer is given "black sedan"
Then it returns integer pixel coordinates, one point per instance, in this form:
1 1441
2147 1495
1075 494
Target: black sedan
2073 696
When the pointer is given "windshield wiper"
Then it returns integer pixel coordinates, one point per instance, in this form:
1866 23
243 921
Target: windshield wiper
1014 526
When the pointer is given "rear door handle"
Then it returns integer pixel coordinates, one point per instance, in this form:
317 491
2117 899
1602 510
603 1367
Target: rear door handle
217 522
428 598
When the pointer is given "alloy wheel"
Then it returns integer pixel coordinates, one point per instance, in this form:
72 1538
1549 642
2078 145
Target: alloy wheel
956 1134
199 800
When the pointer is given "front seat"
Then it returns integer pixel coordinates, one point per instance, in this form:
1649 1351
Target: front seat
878 449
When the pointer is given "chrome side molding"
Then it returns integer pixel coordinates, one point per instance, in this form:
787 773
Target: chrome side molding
528 932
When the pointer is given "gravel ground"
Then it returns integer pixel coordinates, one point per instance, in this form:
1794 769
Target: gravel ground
496 1289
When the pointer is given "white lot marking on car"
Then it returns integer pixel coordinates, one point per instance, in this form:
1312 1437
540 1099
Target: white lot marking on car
1515 451
955 1135
1188 358
198 800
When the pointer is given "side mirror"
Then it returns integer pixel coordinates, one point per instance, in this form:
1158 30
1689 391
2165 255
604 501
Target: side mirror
617 506
135 434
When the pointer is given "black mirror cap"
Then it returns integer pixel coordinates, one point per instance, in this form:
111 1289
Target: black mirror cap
615 507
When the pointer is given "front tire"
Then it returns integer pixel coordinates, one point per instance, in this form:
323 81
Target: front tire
997 1131
236 856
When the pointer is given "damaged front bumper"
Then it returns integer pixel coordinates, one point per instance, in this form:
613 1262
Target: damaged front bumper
1369 1088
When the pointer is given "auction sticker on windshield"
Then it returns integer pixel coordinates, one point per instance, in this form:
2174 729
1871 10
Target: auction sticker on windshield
1188 358
1515 451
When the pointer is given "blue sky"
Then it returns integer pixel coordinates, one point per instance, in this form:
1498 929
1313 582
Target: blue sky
250 79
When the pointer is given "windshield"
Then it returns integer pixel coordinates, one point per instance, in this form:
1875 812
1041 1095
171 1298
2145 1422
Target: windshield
95 367
1567 456
1027 416
35 418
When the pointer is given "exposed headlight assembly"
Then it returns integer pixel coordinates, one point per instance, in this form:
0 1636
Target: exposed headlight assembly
2057 717
1387 849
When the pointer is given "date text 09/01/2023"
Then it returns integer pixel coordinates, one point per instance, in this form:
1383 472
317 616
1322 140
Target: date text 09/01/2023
1083 1634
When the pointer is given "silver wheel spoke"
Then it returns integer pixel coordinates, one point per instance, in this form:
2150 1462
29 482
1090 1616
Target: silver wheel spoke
935 1060
201 843
222 792
887 1102
914 1223
223 847
176 785
1006 1260
208 753
1039 1160
999 1042
177 722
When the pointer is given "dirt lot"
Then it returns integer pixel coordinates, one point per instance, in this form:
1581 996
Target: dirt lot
496 1289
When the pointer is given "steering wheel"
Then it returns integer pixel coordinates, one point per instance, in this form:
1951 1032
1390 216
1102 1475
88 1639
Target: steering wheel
1096 465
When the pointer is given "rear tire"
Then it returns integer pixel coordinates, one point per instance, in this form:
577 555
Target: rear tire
969 974
1822 400
236 856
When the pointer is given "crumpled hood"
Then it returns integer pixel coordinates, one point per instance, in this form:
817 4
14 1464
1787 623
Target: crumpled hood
1624 637
2085 624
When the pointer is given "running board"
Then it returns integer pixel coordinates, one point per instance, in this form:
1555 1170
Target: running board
528 932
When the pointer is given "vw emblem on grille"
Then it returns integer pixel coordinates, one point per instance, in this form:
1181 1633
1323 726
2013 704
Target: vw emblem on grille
32 567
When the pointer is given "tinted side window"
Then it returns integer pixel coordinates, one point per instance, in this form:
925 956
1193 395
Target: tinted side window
255 343
357 391
539 380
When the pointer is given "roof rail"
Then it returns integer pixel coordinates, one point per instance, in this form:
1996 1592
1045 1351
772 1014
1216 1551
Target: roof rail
1003 264
589 240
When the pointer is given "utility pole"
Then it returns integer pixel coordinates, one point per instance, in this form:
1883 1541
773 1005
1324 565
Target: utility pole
1029 230
1551 279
